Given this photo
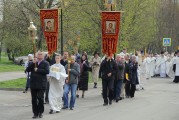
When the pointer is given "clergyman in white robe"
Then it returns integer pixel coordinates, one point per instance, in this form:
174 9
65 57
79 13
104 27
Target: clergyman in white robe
57 79
147 65
152 67
162 66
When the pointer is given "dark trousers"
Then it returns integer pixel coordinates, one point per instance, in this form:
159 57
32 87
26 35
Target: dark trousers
118 89
130 89
46 92
108 86
27 84
37 101
127 88
133 88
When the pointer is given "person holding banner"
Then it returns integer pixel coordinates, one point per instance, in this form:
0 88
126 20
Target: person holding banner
39 69
57 78
107 72
71 83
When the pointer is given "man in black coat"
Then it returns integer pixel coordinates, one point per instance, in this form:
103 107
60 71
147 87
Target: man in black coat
107 72
39 69
126 75
133 66
64 60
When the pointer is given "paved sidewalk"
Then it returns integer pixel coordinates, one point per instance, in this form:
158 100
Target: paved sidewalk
4 76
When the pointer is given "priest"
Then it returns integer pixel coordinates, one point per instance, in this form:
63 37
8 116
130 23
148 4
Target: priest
161 65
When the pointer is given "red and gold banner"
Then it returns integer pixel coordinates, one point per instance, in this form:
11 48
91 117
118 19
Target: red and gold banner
49 22
110 31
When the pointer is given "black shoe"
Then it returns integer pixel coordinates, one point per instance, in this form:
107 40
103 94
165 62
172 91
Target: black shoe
110 102
117 100
46 102
71 108
35 116
121 98
77 96
105 104
40 115
25 91
51 112
82 96
64 107
95 85
57 111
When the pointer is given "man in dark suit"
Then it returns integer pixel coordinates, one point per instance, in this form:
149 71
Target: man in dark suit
107 72
39 69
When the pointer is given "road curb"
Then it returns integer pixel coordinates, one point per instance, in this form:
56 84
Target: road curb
12 89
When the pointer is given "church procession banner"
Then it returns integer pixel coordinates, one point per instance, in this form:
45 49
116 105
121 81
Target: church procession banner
49 22
110 31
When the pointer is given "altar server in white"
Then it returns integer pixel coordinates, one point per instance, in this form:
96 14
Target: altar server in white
57 79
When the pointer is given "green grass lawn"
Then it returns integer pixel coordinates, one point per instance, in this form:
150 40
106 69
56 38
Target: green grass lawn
17 83
20 83
9 66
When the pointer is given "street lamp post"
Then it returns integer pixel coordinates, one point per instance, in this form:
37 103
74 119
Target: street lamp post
32 30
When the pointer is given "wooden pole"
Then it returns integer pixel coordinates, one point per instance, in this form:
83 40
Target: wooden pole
34 49
69 63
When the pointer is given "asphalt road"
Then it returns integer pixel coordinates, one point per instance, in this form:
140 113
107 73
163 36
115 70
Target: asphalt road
158 101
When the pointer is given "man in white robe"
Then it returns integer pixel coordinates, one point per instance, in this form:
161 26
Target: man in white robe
152 68
161 65
139 71
147 65
57 79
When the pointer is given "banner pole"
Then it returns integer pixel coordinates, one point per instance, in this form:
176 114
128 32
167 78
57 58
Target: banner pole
61 31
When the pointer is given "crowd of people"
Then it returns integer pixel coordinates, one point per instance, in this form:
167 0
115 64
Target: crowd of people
55 76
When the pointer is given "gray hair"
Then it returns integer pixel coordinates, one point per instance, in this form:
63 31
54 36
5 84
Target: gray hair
73 57
133 56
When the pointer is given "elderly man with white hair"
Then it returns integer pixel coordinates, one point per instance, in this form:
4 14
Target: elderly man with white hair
120 91
71 83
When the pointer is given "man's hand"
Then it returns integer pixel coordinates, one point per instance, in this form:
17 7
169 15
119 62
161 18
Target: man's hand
109 74
69 70
35 69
